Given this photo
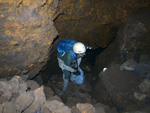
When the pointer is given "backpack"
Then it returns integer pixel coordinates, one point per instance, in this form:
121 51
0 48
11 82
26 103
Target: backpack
65 45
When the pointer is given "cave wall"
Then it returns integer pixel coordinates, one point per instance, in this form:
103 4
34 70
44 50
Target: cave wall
26 34
94 22
132 41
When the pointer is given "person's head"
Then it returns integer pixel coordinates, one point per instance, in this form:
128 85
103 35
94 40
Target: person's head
79 48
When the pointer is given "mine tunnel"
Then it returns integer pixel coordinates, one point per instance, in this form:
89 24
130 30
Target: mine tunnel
116 69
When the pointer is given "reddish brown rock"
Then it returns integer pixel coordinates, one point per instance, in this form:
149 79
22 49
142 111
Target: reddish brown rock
38 102
85 108
26 34
94 22
57 107
45 110
1 108
9 107
24 100
32 84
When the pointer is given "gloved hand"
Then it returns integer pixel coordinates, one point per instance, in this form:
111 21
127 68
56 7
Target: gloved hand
77 73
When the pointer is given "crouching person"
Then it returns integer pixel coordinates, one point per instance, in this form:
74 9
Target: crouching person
69 56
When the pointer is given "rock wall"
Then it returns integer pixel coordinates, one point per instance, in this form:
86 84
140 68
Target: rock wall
122 82
132 41
94 22
26 35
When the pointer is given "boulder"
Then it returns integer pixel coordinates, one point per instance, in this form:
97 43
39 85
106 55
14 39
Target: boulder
1 108
26 34
32 84
24 100
54 98
128 65
45 110
38 102
57 107
9 107
85 108
48 92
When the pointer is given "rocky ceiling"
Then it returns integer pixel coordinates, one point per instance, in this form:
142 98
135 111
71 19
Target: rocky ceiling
94 22
29 27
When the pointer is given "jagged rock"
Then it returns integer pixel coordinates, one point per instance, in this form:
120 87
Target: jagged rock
142 68
1 108
119 84
45 110
6 96
14 97
11 87
26 34
54 98
75 110
97 28
128 65
130 35
145 86
24 100
16 84
1 93
9 107
57 107
100 108
38 102
32 84
48 92
139 96
24 77
85 108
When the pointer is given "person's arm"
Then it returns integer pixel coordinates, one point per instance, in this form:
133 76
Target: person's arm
67 58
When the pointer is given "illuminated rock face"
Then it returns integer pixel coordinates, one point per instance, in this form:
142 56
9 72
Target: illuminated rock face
94 21
26 34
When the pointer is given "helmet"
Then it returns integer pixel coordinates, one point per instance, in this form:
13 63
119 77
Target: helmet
79 48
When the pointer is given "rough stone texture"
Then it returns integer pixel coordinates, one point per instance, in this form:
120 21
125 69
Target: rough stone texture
48 92
24 100
94 22
85 108
120 86
100 108
133 37
57 107
38 101
9 107
16 84
11 88
32 84
54 98
75 110
6 96
132 41
1 108
128 65
26 34
45 110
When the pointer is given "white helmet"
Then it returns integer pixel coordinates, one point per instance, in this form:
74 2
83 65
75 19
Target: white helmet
79 48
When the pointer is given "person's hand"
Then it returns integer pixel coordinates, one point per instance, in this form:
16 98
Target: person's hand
74 71
77 73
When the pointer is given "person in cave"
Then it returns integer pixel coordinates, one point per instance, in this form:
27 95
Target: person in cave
69 56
